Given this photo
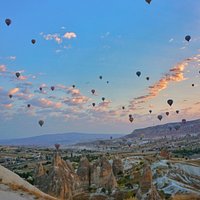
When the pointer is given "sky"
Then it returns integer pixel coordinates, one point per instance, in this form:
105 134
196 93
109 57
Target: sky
78 41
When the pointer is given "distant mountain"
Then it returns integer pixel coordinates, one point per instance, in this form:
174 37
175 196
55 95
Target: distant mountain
61 138
170 129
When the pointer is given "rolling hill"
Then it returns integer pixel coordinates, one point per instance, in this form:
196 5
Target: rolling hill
170 129
61 138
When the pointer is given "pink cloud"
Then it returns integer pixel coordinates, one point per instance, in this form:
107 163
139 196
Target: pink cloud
2 68
70 35
175 74
14 90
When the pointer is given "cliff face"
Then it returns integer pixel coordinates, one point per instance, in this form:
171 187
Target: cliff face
61 181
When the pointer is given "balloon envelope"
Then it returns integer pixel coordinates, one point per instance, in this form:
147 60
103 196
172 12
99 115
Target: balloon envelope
170 102
138 73
160 117
17 74
41 122
188 38
148 1
8 22
52 88
33 41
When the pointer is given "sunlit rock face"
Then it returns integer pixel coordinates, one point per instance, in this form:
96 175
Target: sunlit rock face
61 180
117 166
83 172
102 174
147 191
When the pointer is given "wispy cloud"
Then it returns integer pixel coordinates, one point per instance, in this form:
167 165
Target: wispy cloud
14 90
70 35
175 74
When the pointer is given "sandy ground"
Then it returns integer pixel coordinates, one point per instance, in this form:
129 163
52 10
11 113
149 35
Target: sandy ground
7 194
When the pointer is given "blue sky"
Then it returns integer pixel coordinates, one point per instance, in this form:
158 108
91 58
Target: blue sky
78 41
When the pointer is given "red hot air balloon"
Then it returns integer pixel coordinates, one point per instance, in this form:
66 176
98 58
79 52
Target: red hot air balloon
57 146
131 119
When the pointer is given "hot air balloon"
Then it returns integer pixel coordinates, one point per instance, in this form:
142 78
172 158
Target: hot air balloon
188 38
57 146
93 104
41 122
148 1
177 111
93 91
138 73
10 95
170 102
8 22
111 137
123 107
131 119
28 105
160 117
33 41
73 86
184 121
130 116
103 98
167 113
150 111
177 127
17 74
107 82
52 88
129 143
100 77
193 85
147 78
40 88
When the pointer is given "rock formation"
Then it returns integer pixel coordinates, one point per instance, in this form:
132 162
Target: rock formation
102 174
83 172
40 170
147 190
117 166
61 181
